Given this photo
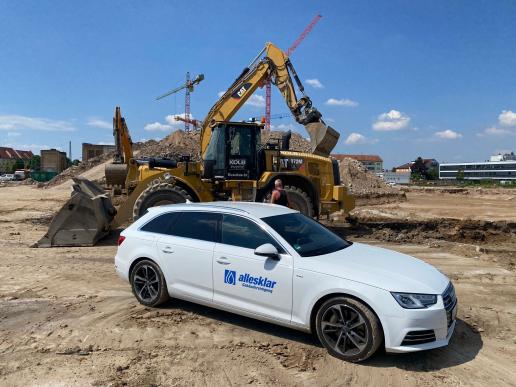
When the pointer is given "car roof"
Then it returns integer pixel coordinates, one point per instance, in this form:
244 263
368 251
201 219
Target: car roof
258 210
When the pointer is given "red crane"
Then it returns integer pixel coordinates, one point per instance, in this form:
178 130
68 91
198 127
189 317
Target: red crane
289 52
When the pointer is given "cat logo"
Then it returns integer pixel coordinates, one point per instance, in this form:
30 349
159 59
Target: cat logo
240 92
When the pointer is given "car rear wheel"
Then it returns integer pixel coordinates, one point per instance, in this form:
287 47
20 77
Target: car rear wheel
148 283
348 329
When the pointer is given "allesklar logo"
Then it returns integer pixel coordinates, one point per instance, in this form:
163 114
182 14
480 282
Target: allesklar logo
248 281
230 277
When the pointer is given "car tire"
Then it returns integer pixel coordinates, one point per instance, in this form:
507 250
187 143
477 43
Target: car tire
159 194
148 283
348 329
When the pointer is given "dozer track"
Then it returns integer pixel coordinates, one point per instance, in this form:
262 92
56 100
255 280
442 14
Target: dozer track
83 220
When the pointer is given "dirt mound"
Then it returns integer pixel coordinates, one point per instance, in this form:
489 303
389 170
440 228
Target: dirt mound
76 170
297 142
365 185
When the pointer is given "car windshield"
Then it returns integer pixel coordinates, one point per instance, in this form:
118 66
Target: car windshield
305 235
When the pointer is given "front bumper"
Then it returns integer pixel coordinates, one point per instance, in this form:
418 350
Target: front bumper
414 321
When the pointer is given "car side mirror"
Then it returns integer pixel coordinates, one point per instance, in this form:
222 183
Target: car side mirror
267 250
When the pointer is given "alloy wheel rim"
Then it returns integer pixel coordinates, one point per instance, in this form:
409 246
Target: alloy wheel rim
344 329
146 283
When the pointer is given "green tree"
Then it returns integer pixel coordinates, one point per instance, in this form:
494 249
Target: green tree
460 175
35 162
418 170
76 162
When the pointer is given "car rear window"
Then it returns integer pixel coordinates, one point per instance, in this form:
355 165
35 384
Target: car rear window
197 225
162 224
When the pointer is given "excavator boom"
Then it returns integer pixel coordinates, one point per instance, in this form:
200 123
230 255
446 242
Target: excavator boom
277 66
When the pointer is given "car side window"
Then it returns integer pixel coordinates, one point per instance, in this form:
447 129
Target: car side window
241 232
197 225
161 224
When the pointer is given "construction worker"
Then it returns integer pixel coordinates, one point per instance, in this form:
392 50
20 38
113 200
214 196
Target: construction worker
279 195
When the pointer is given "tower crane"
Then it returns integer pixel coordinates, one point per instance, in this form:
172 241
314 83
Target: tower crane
189 88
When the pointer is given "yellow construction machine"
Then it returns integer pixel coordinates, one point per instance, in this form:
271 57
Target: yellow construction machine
234 165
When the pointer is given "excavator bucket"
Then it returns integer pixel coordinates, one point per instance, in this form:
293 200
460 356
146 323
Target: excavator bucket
322 138
83 220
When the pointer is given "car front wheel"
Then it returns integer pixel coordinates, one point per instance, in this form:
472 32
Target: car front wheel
148 283
348 329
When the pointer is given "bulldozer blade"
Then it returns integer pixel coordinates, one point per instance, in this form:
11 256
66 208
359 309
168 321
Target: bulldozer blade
83 220
322 138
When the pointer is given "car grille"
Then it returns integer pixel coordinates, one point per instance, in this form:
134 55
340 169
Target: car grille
449 300
419 337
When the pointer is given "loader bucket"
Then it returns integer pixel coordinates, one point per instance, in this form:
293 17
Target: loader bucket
83 220
322 138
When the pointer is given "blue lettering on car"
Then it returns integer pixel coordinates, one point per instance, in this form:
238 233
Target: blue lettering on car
248 281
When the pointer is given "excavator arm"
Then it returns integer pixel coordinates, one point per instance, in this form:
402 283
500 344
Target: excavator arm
277 66
123 142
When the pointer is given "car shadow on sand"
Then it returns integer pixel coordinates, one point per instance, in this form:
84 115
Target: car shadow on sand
464 345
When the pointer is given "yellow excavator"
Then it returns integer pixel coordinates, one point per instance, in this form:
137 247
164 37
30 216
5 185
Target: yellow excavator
234 165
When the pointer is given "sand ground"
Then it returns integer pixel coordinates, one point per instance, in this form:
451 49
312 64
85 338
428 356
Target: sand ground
67 319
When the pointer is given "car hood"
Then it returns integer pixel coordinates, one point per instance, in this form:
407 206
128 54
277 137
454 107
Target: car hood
379 267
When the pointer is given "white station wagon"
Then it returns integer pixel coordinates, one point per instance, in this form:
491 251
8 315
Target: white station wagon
277 265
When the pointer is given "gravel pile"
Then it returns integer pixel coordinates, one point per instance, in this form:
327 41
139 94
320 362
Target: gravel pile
76 170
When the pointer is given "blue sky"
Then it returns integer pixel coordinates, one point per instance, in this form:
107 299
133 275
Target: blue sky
396 78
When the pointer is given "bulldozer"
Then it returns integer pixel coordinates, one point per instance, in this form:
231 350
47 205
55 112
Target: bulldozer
234 164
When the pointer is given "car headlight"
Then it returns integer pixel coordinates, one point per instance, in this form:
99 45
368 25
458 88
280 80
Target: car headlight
414 300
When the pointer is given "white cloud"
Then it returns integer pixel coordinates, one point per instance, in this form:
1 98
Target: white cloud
359 139
448 134
16 122
157 126
170 125
315 83
283 127
507 118
494 131
341 102
98 123
13 134
35 148
220 93
256 100
391 121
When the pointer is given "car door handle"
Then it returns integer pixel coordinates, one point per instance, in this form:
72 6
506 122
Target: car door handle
223 261
167 250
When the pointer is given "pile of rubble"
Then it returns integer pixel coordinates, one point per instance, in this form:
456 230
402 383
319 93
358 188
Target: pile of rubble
76 170
367 187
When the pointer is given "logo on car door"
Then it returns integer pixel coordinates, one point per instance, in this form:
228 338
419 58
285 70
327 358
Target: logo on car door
230 277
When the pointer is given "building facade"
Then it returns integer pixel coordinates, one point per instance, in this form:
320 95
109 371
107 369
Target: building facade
395 177
486 170
9 157
373 163
90 151
53 160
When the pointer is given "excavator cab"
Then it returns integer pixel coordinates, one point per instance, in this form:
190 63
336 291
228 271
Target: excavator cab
233 151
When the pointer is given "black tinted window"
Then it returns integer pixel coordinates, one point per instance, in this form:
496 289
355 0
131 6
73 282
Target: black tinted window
162 224
241 232
197 225
307 236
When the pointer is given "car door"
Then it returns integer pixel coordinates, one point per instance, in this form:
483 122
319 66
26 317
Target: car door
244 280
186 253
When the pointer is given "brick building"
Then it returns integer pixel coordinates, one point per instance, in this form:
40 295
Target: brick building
94 150
9 157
